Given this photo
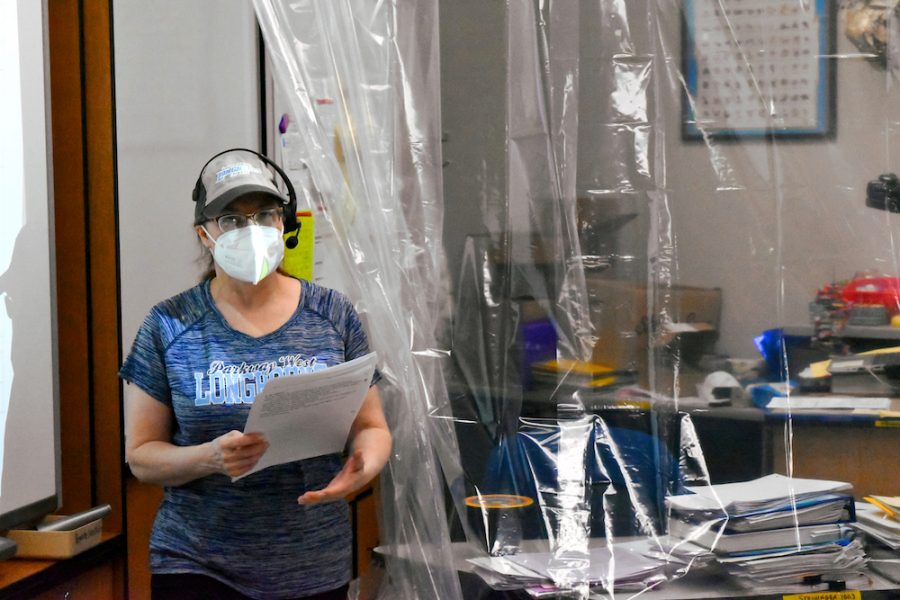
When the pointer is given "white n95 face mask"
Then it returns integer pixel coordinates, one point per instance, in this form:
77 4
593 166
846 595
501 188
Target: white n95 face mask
249 253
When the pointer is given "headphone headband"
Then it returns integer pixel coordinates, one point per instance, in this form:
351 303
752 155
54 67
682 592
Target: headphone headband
291 224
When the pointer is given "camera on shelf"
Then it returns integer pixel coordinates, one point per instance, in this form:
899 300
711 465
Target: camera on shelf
884 193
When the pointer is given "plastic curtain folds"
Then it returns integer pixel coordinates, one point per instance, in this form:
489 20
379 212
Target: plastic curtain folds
676 228
361 82
660 214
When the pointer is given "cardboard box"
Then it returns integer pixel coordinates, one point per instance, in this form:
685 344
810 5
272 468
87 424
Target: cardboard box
622 322
56 544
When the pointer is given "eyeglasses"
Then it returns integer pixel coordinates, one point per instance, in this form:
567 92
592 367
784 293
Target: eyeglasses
267 217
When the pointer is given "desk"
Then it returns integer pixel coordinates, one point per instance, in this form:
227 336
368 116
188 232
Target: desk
861 449
743 442
736 440
844 447
97 572
696 585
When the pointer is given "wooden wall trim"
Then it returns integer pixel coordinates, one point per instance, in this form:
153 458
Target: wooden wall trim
103 256
86 248
83 157
64 22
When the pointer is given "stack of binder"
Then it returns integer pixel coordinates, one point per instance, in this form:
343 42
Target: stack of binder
774 530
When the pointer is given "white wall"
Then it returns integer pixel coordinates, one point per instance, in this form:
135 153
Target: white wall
768 245
186 79
473 114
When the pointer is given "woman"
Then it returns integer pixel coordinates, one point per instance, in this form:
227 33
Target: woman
197 363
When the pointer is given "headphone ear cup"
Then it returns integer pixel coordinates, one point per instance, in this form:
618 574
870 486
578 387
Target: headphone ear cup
293 225
290 220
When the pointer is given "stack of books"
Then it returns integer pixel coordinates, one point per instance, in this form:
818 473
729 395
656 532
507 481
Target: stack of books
773 531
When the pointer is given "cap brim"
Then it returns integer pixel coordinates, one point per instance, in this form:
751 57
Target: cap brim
219 204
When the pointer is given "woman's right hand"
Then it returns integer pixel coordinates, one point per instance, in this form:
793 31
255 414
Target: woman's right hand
235 453
154 459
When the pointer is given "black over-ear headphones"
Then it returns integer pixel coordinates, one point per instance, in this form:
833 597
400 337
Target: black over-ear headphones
291 224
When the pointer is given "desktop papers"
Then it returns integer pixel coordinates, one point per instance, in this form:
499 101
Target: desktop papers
765 493
832 561
713 536
623 568
302 416
789 529
829 402
628 567
876 524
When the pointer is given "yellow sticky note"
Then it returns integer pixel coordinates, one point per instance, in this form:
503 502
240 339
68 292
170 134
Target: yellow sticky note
819 369
298 261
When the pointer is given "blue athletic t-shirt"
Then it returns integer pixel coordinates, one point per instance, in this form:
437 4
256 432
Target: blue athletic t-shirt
250 534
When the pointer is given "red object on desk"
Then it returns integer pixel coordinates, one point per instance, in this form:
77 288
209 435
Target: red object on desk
884 291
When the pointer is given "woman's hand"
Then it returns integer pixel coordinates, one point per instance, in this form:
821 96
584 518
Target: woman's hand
153 457
235 453
351 478
370 441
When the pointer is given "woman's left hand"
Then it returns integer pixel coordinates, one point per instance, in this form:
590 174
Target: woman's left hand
371 443
351 478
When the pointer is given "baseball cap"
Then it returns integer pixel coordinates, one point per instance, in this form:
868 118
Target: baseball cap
228 176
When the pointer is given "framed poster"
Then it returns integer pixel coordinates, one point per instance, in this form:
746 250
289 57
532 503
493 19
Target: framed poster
758 68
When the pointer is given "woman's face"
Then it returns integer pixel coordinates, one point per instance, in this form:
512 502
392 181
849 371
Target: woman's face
243 211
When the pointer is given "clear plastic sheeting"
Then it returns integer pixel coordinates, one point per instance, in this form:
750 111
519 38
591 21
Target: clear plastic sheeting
669 228
361 81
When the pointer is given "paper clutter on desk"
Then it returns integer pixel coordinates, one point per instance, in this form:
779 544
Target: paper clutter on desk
877 525
888 504
774 530
626 567
765 493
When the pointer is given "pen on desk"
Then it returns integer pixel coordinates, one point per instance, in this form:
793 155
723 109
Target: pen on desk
884 507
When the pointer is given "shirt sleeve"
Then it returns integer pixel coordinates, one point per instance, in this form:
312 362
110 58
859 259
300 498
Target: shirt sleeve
356 342
145 366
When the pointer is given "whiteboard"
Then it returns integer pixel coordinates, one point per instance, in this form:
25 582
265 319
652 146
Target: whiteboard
29 440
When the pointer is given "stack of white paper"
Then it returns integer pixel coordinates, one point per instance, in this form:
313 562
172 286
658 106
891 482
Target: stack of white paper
766 493
724 543
310 414
537 572
772 530
876 524
825 562
500 573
